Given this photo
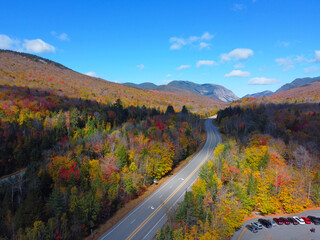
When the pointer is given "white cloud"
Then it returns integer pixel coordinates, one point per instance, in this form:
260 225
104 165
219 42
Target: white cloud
200 42
62 36
33 46
262 81
168 75
312 69
238 73
177 43
239 65
204 45
193 39
301 59
140 66
237 54
175 46
206 36
92 74
287 63
38 46
206 63
183 67
317 56
8 43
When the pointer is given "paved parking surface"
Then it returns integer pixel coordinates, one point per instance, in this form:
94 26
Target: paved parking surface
281 232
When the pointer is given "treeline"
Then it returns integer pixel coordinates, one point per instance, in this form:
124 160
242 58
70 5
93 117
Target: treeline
258 172
83 159
293 123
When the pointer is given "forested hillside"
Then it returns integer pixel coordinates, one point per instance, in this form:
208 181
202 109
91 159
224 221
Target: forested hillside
84 160
26 70
308 93
268 163
84 155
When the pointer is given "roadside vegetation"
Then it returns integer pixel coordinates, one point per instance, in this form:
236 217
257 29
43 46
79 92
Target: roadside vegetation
268 163
83 159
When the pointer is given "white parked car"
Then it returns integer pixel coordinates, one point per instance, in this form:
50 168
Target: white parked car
274 224
299 220
257 225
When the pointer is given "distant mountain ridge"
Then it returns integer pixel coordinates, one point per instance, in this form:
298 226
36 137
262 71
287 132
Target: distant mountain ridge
212 91
259 94
297 83
37 73
146 85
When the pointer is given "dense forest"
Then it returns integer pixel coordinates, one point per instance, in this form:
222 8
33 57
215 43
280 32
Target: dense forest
268 163
82 159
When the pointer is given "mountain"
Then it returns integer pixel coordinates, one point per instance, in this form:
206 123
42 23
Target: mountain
259 94
297 83
309 92
146 85
213 91
43 75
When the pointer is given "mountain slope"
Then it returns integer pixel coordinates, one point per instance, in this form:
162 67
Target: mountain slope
146 85
212 91
259 94
297 83
17 69
306 93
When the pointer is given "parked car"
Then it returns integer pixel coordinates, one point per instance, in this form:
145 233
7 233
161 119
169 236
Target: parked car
257 225
292 220
238 228
314 220
284 220
307 220
278 221
273 223
252 228
266 223
299 220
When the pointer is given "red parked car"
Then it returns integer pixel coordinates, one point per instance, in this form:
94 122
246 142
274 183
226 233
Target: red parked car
278 221
284 220
307 220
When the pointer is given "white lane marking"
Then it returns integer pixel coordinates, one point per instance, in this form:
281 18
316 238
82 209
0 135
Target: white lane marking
133 221
204 149
160 196
182 179
164 215
152 207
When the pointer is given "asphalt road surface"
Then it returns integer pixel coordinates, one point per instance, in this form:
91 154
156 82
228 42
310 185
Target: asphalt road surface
282 232
143 222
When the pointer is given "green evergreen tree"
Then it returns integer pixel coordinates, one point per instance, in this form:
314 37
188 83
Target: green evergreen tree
122 156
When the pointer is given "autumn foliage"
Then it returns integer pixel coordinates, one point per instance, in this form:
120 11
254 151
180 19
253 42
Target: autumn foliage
87 146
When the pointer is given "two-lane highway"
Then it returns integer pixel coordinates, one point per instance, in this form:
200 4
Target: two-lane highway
144 221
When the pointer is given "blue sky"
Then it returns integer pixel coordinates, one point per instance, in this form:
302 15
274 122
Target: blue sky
246 46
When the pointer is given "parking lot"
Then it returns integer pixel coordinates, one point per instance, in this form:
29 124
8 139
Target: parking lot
281 232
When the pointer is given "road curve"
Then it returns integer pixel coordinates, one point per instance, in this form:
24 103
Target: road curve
143 221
